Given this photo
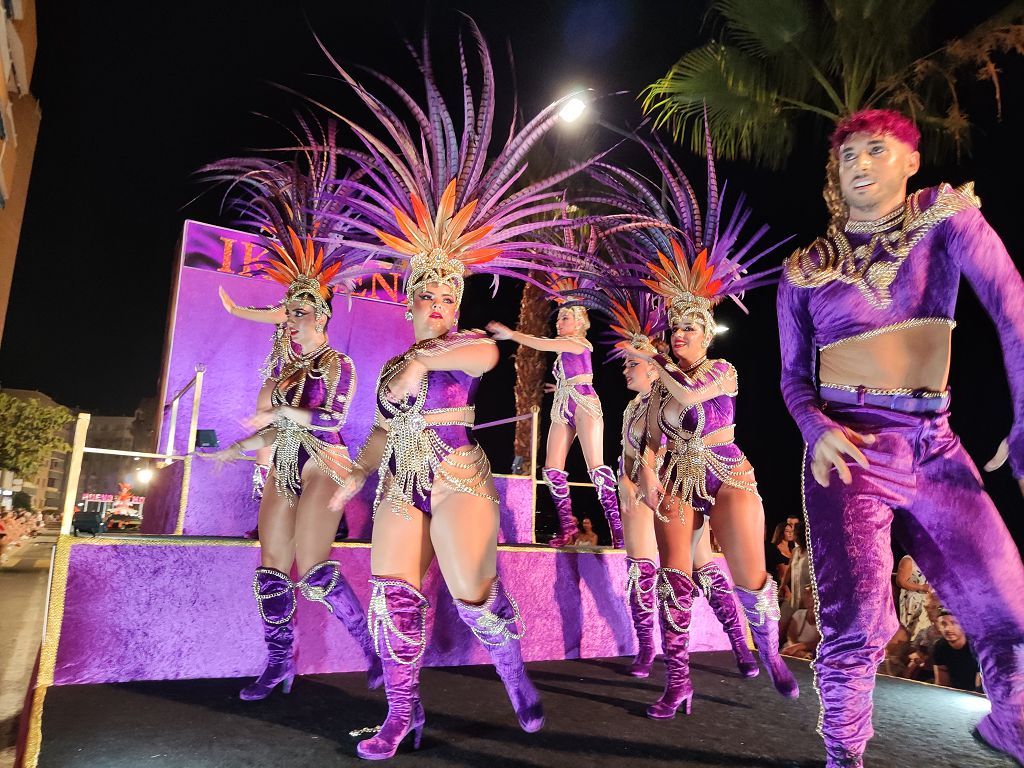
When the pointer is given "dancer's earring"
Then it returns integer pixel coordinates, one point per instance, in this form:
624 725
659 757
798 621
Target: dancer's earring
408 315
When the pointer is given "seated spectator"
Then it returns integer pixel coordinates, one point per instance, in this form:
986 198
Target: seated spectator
953 660
586 537
778 553
803 636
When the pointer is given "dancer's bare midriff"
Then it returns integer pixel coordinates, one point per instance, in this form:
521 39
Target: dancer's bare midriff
907 358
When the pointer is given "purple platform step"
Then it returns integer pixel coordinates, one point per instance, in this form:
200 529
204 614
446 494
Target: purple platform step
161 608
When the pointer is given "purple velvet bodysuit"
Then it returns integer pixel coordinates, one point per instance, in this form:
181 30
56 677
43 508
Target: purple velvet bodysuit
416 450
697 463
324 382
920 481
574 385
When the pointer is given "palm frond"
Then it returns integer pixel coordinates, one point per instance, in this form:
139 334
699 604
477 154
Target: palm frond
744 110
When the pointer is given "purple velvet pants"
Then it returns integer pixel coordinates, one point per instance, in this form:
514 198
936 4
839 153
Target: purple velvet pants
922 488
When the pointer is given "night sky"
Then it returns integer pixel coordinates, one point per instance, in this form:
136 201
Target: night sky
137 96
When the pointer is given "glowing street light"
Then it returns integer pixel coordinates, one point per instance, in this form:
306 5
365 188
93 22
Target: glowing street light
572 110
144 475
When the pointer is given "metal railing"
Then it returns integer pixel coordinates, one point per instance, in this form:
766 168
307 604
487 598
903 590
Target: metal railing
79 449
534 417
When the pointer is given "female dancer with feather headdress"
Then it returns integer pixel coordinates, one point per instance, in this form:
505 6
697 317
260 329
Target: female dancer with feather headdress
702 474
304 401
442 210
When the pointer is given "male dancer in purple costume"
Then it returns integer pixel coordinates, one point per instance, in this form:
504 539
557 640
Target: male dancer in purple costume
875 300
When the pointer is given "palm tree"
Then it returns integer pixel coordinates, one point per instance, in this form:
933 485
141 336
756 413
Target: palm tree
778 62
531 368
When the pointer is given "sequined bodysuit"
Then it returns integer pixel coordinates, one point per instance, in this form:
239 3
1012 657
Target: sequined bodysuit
422 445
701 455
574 385
324 382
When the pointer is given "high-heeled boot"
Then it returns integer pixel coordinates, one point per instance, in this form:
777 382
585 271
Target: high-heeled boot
642 598
275 598
762 610
603 479
718 591
397 618
498 625
558 483
675 593
325 584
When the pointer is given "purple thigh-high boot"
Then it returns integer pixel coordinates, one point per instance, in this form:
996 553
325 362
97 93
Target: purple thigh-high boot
558 483
275 597
642 597
603 479
397 618
762 611
675 593
919 482
498 625
718 591
325 584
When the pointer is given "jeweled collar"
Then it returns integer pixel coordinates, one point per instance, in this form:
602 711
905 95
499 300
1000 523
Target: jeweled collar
877 225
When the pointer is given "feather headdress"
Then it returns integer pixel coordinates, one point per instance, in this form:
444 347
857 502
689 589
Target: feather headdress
686 258
300 208
437 203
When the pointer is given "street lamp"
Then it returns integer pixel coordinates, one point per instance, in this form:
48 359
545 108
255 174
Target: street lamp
572 110
144 475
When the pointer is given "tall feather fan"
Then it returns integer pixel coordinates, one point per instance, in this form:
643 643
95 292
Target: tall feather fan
680 255
431 196
300 209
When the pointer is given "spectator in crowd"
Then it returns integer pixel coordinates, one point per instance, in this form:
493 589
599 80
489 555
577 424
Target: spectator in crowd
803 636
797 576
778 553
953 660
913 591
586 536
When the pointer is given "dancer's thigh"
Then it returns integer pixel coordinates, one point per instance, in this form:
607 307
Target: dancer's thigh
738 522
560 437
464 532
590 430
277 528
315 524
674 535
400 545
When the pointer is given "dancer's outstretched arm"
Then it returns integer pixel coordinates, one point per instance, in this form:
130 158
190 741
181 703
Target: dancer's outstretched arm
271 315
720 380
569 344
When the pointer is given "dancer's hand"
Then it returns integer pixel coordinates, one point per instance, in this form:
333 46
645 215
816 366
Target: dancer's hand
221 457
830 453
1002 454
549 388
348 489
260 419
651 489
226 300
627 496
405 383
499 331
643 353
